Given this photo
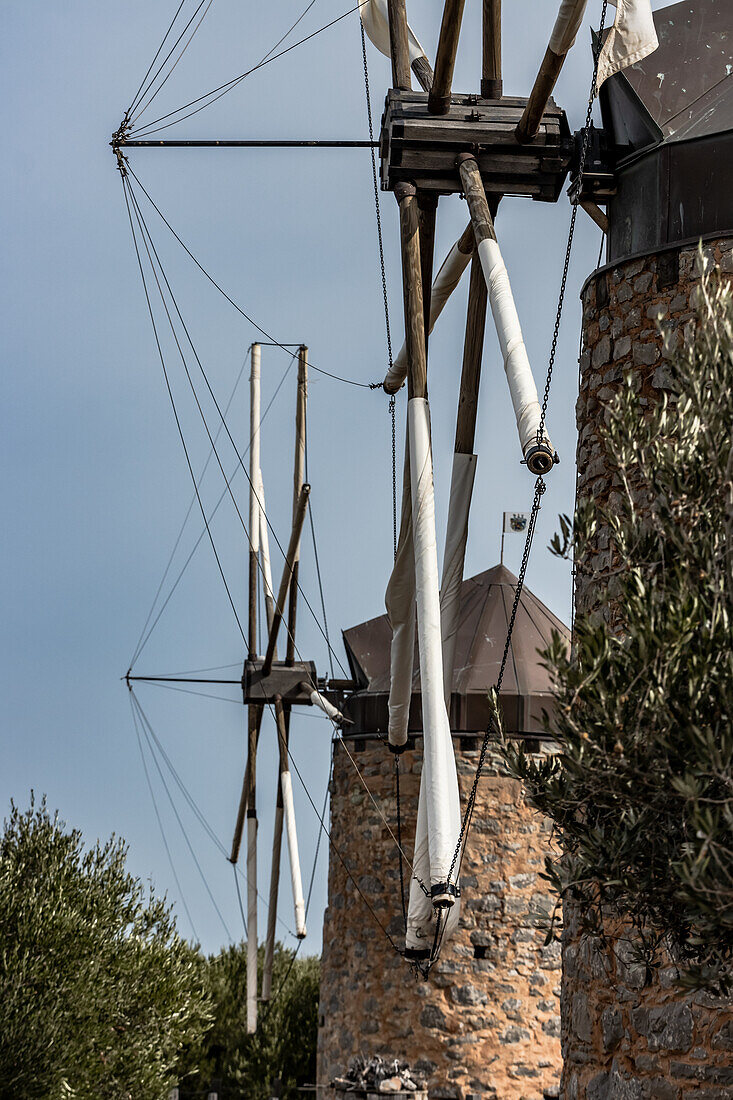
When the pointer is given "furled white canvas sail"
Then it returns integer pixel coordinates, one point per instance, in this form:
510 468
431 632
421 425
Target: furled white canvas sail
326 706
445 282
632 37
400 602
516 363
567 25
461 491
439 767
375 19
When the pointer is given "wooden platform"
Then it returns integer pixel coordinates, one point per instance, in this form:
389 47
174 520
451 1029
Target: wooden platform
289 681
420 148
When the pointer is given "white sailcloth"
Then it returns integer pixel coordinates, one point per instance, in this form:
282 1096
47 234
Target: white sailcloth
439 766
632 37
516 363
375 20
567 25
400 602
445 282
461 491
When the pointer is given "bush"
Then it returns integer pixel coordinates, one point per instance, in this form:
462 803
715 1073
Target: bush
284 1046
641 791
98 992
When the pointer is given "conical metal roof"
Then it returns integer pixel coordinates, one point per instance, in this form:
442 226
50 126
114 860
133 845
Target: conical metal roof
486 604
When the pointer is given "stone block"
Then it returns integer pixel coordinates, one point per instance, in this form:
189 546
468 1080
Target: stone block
667 1027
622 347
612 1028
644 354
602 351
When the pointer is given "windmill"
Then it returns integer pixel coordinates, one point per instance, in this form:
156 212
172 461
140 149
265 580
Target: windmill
434 142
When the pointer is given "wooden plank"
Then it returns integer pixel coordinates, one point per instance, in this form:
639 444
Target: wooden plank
445 58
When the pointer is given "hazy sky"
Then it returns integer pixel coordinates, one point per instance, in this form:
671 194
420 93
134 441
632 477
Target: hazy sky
95 482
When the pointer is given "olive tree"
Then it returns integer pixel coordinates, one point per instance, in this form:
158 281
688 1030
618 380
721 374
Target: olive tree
98 992
641 787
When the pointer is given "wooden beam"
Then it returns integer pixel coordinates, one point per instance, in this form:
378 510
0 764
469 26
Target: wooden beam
417 377
399 45
491 81
445 58
421 68
277 838
298 481
594 211
254 517
427 205
478 206
545 81
472 352
244 796
286 578
564 32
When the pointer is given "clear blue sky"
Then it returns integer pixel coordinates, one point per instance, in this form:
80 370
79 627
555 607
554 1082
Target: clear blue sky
95 485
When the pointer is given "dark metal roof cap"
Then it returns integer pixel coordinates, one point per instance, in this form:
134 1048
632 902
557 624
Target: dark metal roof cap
686 86
486 604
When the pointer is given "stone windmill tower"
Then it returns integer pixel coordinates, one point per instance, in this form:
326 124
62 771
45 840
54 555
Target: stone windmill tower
487 1023
668 133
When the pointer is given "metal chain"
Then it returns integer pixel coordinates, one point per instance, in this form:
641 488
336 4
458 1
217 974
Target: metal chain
571 232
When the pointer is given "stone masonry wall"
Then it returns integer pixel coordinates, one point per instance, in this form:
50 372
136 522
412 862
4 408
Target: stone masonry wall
624 1039
487 1022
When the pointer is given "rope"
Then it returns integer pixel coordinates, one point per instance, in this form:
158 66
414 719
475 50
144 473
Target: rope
148 238
399 838
315 555
192 802
185 521
160 822
378 215
182 827
143 82
169 54
214 510
202 269
229 85
126 191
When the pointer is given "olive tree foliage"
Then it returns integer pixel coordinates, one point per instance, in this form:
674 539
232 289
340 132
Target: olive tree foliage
98 992
284 1045
641 790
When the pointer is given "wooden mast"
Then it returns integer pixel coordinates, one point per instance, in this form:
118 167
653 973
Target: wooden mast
491 79
282 712
571 14
445 58
254 713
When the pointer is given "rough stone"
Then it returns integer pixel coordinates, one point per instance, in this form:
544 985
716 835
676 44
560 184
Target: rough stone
475 1027
647 1040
